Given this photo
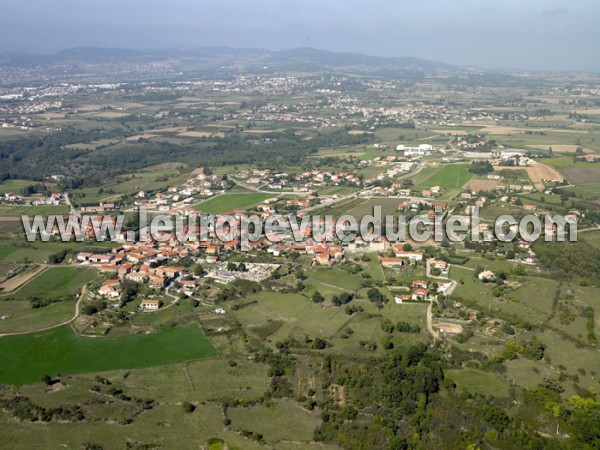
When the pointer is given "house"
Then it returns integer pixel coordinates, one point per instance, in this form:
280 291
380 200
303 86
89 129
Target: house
124 270
393 263
101 258
188 286
411 256
83 256
108 291
138 277
419 284
420 294
399 299
150 305
157 282
441 265
487 275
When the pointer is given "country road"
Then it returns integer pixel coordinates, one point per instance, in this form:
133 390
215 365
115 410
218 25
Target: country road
39 330
17 282
450 290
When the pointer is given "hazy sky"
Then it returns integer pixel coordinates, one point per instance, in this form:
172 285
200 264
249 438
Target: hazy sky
539 34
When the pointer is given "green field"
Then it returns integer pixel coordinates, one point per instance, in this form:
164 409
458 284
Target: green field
22 317
14 186
475 381
16 211
229 202
93 145
26 358
452 176
5 251
280 421
57 283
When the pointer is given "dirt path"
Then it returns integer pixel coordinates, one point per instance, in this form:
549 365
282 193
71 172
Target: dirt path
39 330
434 333
14 283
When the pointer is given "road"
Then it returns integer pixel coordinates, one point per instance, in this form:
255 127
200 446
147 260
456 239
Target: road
72 210
39 330
428 274
258 189
434 333
17 282
450 290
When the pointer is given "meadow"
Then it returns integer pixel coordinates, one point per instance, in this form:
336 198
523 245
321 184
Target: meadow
56 283
26 358
452 176
14 186
44 210
228 202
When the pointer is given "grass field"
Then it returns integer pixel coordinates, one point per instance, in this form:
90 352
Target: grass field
16 211
280 421
229 202
5 251
475 381
55 283
22 317
26 358
93 145
14 186
452 176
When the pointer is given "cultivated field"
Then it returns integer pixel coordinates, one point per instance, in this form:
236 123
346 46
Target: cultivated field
452 176
538 173
26 358
481 185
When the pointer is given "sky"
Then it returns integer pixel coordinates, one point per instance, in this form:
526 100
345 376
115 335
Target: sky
526 34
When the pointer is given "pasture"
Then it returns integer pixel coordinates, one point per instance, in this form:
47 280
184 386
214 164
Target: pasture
277 421
57 283
44 210
14 186
228 202
476 381
26 358
451 176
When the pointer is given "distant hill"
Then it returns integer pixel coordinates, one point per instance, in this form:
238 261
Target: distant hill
294 59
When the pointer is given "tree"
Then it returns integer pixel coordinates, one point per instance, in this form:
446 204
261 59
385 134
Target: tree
188 407
47 379
317 297
407 247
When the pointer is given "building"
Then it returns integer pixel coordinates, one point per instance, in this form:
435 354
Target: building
487 275
411 256
150 305
393 263
420 294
